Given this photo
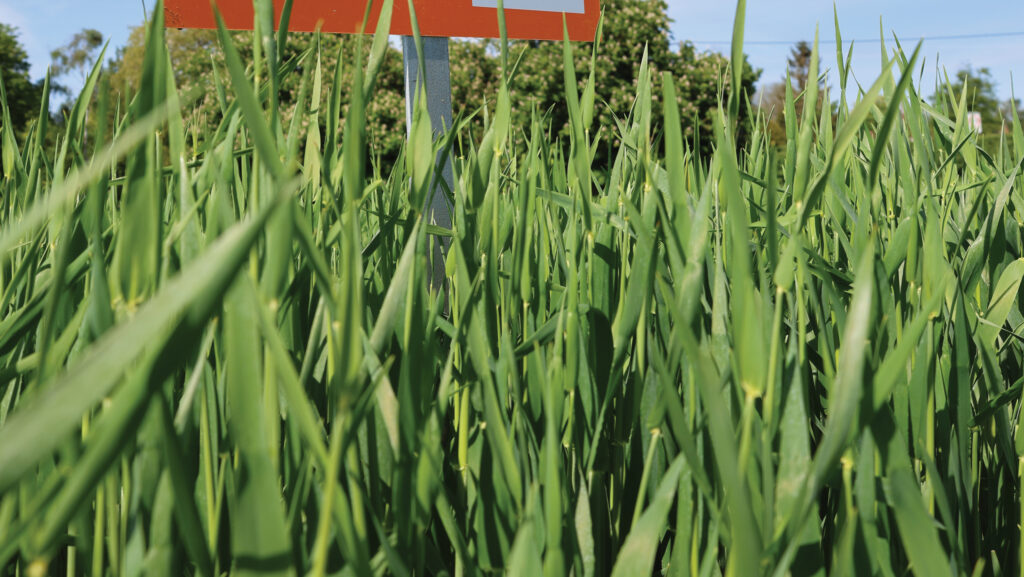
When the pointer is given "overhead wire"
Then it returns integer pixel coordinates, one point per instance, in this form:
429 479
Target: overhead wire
977 36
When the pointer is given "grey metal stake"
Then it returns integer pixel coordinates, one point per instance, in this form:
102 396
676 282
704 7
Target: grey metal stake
438 89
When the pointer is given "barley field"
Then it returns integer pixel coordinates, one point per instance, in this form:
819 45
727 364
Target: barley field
230 349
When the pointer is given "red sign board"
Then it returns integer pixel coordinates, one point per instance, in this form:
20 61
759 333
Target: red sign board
524 19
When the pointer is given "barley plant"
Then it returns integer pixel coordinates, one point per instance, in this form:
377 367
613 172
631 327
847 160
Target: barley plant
232 349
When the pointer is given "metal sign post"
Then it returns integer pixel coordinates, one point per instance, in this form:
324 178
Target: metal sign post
438 90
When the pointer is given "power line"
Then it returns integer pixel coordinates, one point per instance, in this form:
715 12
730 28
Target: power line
986 35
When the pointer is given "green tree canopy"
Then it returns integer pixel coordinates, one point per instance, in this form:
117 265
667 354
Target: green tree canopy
772 99
23 95
630 26
78 55
981 96
198 63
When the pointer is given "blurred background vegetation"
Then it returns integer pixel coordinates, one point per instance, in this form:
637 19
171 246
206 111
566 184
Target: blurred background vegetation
630 27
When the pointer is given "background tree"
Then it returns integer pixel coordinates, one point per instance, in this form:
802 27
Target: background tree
996 116
76 58
772 99
699 76
630 26
78 55
799 64
1007 108
23 95
981 97
197 62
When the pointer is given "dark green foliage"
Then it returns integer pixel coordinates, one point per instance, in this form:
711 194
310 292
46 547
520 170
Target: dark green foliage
23 95
630 27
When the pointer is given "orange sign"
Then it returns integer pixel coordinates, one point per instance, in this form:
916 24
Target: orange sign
524 19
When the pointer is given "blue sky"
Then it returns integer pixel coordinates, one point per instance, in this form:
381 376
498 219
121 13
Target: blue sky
47 24
709 23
